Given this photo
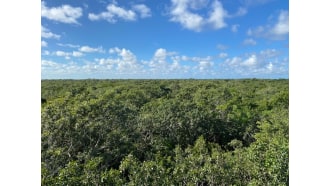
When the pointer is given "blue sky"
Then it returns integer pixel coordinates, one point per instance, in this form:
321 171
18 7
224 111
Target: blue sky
164 39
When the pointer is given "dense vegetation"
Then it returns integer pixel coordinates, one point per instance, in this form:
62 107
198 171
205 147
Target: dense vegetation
165 132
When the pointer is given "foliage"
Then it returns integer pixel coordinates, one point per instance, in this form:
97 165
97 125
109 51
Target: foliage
164 132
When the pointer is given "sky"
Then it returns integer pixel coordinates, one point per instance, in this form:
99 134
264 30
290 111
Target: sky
168 39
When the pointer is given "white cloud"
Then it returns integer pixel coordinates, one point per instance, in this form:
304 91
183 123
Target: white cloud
45 33
183 16
269 53
175 66
194 59
48 63
52 69
160 54
127 55
159 59
114 50
184 58
277 31
63 14
115 12
167 62
205 66
68 45
217 15
235 61
249 41
43 43
122 63
282 25
264 63
126 61
88 49
66 55
199 59
143 10
251 61
197 65
45 53
107 64
182 12
77 54
270 66
61 53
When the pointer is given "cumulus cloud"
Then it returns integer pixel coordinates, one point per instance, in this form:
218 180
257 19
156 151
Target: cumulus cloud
184 12
114 13
49 67
269 53
48 64
52 69
159 59
67 55
282 25
160 54
63 14
197 65
45 53
270 66
127 55
199 59
123 63
205 66
126 61
61 53
43 43
68 45
262 63
45 33
114 50
143 10
166 62
277 31
77 54
88 49
249 41
217 15
250 61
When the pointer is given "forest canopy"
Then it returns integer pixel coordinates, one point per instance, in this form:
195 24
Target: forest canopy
165 132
